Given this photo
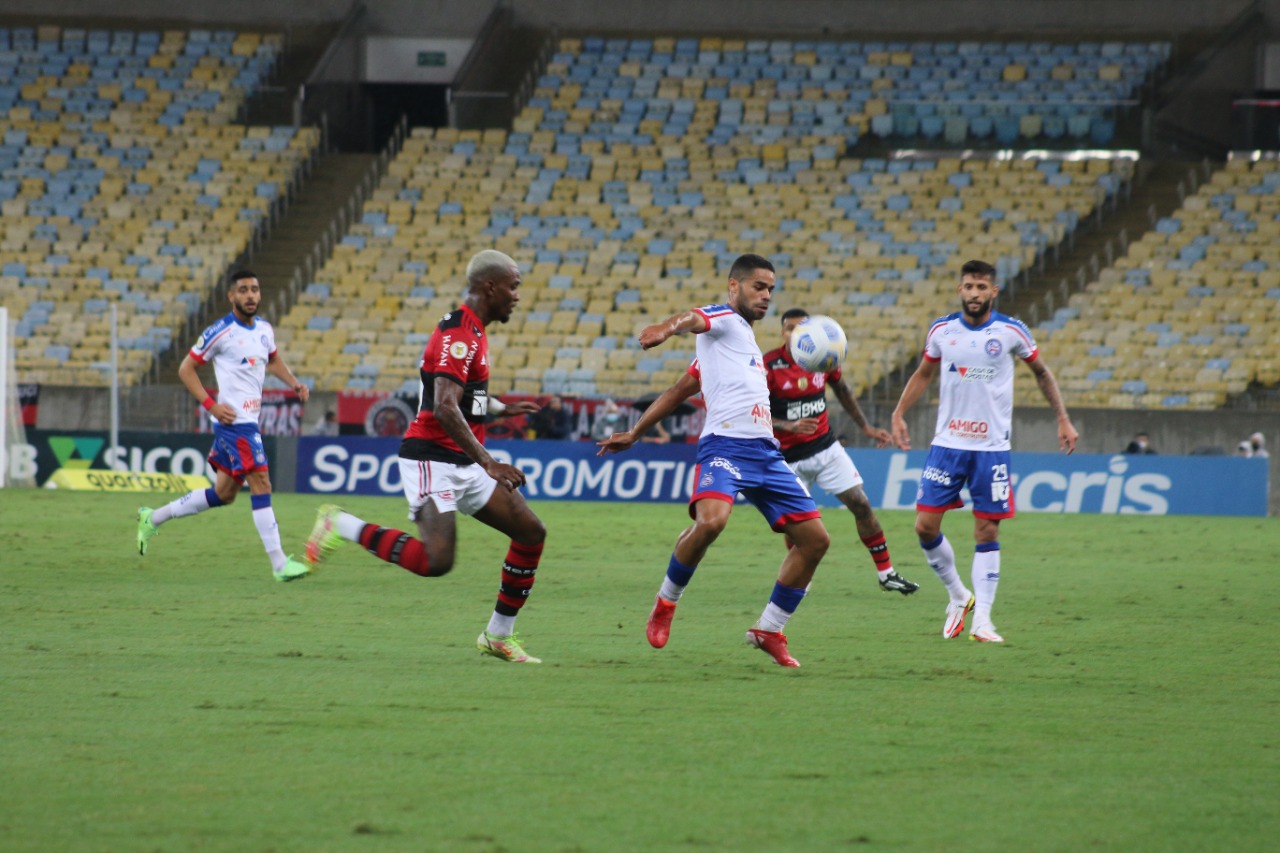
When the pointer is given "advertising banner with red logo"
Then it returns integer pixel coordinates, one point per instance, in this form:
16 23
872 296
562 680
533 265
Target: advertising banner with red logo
381 414
281 413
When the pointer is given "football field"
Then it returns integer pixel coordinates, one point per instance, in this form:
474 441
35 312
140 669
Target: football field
185 701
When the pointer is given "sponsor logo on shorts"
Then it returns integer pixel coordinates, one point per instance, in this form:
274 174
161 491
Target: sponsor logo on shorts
937 475
721 462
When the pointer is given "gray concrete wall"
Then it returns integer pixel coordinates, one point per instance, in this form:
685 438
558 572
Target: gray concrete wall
923 18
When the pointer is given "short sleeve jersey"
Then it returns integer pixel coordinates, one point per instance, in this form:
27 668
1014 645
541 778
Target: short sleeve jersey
459 352
730 367
794 394
975 411
239 353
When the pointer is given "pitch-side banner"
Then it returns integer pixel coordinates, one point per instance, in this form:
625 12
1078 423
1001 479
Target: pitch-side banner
1042 482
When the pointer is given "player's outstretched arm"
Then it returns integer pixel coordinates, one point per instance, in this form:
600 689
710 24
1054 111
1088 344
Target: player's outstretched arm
1067 434
676 324
914 390
686 386
849 403
499 409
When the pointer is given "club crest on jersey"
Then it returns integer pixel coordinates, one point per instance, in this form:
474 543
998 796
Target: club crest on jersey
994 347
266 344
458 349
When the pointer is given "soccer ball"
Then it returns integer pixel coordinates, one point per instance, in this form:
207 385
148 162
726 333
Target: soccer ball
818 344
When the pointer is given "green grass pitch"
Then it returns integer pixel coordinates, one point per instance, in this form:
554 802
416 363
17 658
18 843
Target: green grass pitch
185 701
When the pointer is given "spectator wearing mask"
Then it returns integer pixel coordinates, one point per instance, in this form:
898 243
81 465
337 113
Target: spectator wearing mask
1141 445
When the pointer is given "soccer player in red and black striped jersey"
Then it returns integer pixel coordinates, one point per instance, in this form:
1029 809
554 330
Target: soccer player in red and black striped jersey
445 469
798 400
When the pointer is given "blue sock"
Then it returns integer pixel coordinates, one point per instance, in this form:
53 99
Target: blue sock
678 577
786 597
782 604
212 497
260 501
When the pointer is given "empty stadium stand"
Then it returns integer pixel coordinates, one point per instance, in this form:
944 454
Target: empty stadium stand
124 180
1190 315
637 172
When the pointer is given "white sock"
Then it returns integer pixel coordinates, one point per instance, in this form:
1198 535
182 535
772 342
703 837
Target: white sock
670 591
265 520
189 504
942 559
774 618
349 526
986 577
501 626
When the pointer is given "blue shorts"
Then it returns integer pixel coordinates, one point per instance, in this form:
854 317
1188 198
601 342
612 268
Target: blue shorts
754 467
986 472
237 449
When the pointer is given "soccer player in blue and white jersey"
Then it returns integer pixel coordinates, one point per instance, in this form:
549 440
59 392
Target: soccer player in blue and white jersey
973 349
737 452
242 348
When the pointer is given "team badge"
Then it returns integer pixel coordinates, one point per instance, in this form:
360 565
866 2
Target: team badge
266 344
458 349
994 347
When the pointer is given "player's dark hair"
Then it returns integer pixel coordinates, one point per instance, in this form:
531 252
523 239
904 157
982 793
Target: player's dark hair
978 268
239 275
748 263
794 314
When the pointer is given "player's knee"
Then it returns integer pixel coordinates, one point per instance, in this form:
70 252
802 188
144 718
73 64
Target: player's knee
819 543
533 534
926 531
863 512
228 495
709 529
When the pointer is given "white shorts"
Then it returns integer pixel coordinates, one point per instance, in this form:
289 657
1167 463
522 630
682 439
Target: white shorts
452 488
831 470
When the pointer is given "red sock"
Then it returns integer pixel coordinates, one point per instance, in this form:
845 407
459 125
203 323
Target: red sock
396 547
518 572
879 551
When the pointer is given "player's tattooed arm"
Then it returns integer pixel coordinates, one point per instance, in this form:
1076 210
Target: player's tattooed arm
676 324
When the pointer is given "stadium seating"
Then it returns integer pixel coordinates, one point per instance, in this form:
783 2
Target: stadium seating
1190 315
124 180
641 168
643 231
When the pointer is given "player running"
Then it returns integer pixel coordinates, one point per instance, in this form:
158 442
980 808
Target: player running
975 348
736 453
445 469
242 347
798 400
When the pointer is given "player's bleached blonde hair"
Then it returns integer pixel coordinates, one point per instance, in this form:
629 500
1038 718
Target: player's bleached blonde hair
488 263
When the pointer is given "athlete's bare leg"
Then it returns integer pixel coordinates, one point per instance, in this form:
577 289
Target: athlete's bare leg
709 519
